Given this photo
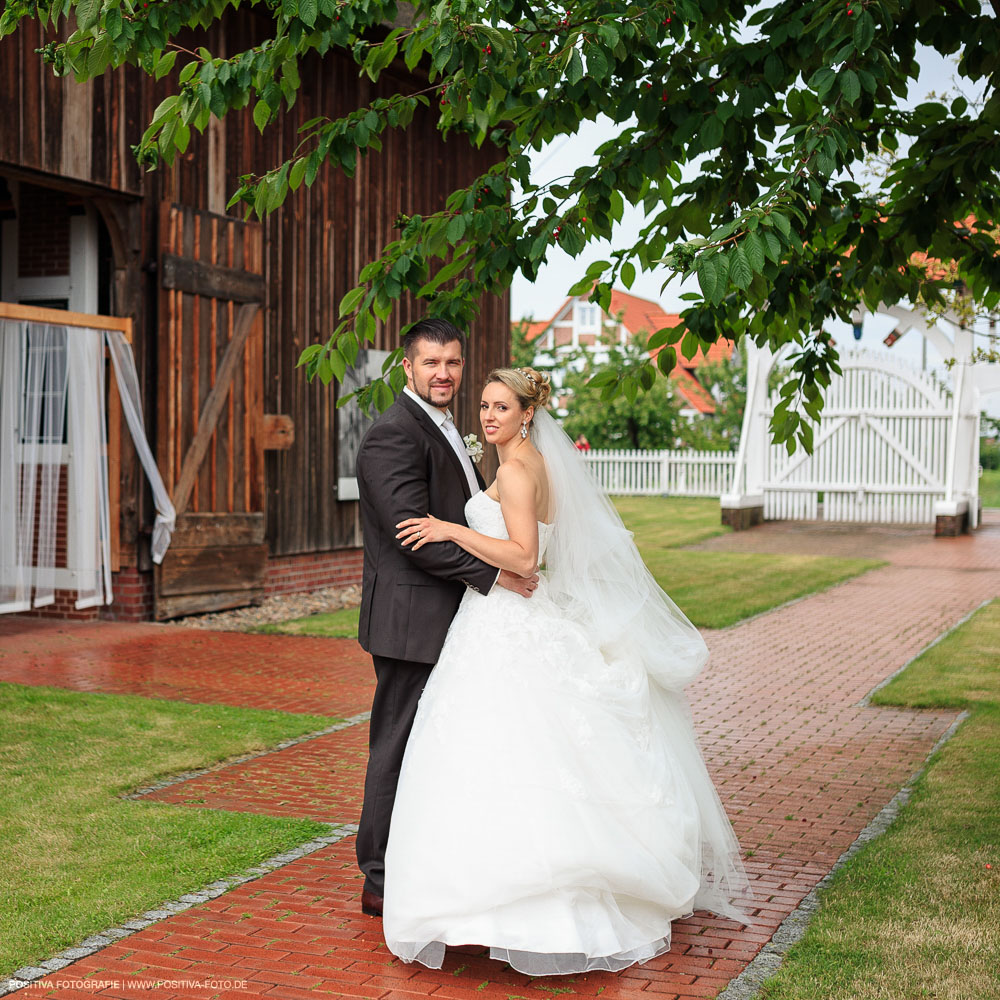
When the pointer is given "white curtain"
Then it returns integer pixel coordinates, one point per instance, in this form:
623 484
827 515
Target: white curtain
128 390
89 542
52 424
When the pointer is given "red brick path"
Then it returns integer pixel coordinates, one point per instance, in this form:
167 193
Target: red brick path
801 763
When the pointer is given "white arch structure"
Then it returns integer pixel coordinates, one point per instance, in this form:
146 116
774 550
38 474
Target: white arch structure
893 446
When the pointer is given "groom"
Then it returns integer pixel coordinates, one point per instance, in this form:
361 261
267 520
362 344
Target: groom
412 462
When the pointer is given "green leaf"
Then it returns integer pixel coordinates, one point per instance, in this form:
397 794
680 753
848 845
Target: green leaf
574 70
689 345
708 275
308 9
739 268
87 14
850 86
774 71
456 229
627 273
772 246
350 301
165 64
666 360
659 338
296 174
753 246
188 71
261 115
338 363
864 32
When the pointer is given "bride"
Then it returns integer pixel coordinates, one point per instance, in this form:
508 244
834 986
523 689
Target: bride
553 803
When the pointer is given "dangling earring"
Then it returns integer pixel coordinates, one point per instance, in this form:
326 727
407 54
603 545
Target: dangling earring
524 429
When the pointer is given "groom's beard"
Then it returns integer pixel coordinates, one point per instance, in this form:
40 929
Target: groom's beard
444 395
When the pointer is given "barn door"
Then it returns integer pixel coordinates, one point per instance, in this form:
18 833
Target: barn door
209 420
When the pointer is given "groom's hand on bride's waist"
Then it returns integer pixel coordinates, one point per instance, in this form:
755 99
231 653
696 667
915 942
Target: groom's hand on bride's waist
523 585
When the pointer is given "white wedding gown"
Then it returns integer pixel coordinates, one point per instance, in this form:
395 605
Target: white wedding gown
553 803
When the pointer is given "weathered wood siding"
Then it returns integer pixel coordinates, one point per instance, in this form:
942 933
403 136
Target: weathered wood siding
79 136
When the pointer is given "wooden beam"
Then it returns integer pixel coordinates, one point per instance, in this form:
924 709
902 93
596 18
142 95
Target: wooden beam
275 431
209 416
199 277
62 317
199 531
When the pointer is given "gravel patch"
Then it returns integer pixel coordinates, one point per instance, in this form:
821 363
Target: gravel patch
280 608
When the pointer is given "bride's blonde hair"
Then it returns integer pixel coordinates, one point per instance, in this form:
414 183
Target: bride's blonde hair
530 387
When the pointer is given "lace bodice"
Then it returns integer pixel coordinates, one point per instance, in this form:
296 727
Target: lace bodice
485 516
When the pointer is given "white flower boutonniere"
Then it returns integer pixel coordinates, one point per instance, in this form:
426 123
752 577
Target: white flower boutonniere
473 447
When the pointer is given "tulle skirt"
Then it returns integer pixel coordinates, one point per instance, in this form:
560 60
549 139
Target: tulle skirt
553 804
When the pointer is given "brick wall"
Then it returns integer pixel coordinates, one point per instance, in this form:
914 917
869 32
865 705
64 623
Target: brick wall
133 597
313 571
43 233
133 591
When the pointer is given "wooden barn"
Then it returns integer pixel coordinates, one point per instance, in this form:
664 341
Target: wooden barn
219 310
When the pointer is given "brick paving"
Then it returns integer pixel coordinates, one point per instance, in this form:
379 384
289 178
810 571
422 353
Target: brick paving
801 761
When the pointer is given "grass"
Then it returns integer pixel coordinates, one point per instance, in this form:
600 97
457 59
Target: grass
666 522
717 589
714 589
75 857
340 624
917 912
989 488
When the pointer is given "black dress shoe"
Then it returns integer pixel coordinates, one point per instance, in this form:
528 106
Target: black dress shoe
371 904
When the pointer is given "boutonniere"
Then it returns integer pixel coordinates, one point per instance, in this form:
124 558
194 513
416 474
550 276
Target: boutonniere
473 447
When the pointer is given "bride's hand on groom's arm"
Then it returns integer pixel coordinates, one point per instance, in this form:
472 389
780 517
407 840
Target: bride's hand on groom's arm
523 585
420 531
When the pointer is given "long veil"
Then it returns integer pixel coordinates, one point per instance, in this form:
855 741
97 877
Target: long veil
595 571
597 576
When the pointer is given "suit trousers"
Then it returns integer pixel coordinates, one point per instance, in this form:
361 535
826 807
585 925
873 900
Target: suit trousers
398 686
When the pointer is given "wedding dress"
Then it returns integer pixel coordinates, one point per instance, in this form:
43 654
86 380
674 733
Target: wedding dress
553 804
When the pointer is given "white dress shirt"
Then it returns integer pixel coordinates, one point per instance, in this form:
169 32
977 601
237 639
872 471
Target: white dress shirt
444 422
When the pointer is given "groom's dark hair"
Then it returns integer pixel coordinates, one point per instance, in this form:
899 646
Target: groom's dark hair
437 331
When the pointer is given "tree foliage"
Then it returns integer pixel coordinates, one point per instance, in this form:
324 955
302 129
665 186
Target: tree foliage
630 419
738 127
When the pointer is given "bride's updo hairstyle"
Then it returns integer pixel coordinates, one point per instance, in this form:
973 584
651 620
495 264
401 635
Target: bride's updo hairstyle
530 387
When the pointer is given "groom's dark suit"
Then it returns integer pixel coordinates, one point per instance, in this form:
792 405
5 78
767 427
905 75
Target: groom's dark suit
406 468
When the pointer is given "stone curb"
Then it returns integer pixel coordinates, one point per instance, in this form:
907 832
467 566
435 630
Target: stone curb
867 700
791 930
27 975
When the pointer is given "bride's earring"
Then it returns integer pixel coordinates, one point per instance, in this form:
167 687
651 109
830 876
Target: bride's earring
524 429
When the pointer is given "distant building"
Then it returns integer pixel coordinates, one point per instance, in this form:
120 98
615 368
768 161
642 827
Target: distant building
580 323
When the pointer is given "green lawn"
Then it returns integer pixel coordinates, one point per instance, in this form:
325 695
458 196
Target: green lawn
916 913
340 624
714 589
75 858
989 487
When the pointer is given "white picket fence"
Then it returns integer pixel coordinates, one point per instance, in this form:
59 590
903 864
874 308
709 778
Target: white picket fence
650 473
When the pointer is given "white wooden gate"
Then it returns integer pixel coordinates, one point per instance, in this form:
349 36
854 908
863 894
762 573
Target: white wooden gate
880 452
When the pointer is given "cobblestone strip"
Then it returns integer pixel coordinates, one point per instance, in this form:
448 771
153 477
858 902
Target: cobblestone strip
792 929
26 976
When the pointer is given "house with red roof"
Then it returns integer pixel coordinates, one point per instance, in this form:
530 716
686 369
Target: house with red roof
580 323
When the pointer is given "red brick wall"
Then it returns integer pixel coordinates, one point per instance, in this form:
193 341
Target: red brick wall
43 233
313 571
133 597
133 591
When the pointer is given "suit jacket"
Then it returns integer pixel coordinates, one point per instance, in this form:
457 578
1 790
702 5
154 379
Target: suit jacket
407 468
